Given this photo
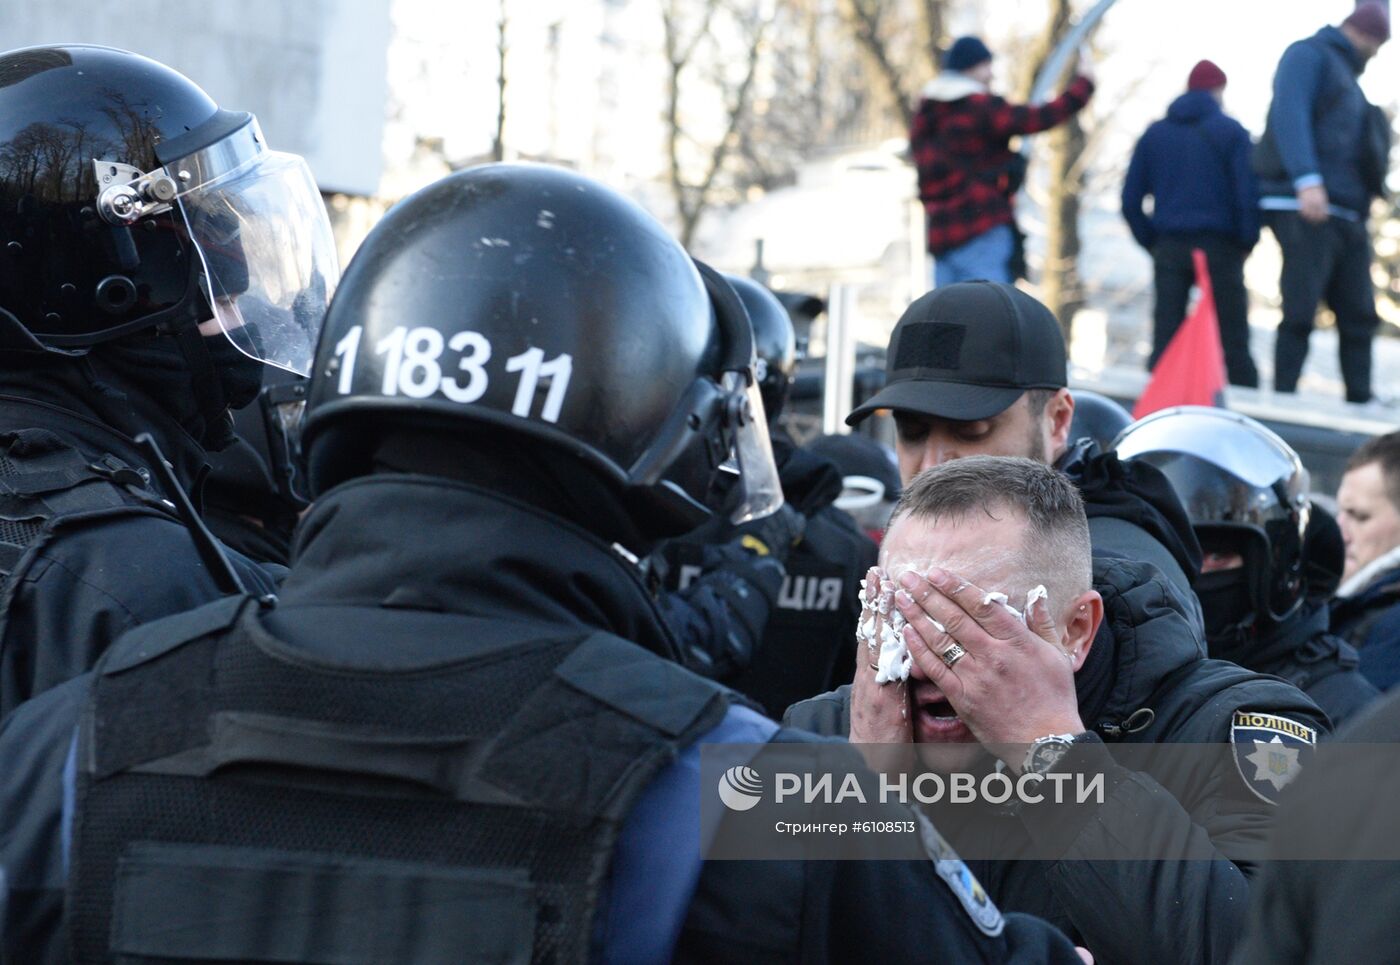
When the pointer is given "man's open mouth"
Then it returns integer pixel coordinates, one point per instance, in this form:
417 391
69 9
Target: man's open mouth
938 709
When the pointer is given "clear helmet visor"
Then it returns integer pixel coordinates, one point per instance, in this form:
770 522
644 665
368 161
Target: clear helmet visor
270 267
752 457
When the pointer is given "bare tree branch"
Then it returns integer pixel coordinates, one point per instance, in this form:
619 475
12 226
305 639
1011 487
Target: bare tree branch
935 16
679 52
1064 153
694 198
498 144
864 18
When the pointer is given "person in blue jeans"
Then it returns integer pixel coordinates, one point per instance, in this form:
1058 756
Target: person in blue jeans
985 257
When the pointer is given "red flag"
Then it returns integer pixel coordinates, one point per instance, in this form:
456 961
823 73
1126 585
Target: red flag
1192 369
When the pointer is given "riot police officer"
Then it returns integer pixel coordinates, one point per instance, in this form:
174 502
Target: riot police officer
465 711
255 490
156 257
789 593
1245 490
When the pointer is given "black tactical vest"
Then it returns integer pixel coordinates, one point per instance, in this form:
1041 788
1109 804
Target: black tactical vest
239 800
44 479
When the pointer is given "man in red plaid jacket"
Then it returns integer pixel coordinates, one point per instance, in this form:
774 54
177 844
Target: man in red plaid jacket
968 173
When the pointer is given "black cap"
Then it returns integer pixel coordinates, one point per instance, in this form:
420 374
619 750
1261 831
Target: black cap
967 351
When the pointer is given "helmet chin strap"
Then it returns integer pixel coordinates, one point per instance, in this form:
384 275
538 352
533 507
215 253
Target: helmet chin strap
207 387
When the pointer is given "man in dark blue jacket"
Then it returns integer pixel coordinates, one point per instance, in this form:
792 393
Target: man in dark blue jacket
1318 173
1366 608
1195 164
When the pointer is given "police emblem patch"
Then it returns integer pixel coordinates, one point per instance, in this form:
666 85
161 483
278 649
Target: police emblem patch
964 885
1270 751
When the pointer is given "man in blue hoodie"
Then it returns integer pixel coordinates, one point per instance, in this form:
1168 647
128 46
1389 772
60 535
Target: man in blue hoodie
1196 165
1318 169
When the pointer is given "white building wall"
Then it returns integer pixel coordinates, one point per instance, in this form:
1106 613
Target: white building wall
313 71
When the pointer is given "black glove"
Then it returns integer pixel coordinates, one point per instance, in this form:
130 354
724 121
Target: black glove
720 617
773 535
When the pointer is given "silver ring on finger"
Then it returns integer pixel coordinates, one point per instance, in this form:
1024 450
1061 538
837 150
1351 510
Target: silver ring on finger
952 655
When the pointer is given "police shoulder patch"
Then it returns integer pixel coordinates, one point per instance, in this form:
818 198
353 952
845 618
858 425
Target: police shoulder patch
1269 750
964 885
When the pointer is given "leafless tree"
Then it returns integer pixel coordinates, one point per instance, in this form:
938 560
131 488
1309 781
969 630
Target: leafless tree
935 24
498 143
1062 151
903 40
696 68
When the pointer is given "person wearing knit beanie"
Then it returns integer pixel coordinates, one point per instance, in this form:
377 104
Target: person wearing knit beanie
1206 76
968 174
1195 164
966 53
1372 20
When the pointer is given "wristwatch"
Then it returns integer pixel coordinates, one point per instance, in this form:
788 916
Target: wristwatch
1046 752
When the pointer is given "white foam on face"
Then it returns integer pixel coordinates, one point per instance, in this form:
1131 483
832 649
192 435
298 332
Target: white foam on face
881 627
1038 593
881 630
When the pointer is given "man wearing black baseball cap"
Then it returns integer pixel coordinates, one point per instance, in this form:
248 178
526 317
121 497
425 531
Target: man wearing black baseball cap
979 368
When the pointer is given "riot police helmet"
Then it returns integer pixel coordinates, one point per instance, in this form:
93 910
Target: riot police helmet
130 202
1097 417
775 342
531 300
1237 481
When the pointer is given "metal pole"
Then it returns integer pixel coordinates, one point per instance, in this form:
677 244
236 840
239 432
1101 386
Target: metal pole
840 359
920 278
759 272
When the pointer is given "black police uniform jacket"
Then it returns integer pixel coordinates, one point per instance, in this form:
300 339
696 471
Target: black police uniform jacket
1302 651
1157 686
89 547
397 580
805 631
1342 903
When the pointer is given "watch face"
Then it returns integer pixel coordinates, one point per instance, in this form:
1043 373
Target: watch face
1046 754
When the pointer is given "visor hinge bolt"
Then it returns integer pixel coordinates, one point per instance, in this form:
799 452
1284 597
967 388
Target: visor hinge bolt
737 412
118 205
161 190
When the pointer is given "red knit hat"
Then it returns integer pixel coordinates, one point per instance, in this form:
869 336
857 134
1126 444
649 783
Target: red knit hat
1371 19
1205 76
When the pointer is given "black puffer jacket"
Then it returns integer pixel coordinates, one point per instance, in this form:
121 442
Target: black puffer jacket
1158 688
1134 514
1342 908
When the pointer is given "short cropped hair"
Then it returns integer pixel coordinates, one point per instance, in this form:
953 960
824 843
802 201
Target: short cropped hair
1056 549
1384 450
1038 399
